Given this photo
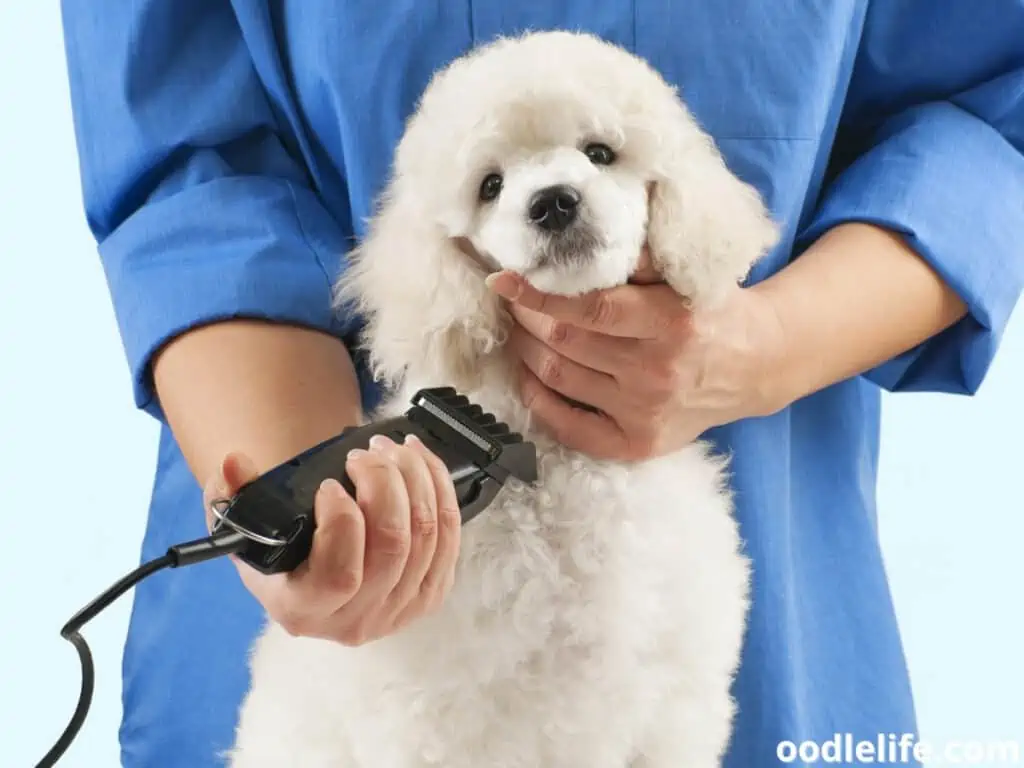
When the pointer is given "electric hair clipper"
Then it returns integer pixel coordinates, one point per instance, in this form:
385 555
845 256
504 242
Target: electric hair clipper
275 511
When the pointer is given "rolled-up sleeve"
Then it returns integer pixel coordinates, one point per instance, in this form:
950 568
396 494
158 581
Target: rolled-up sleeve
192 187
931 146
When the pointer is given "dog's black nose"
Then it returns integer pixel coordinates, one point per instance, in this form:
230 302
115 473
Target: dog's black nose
554 208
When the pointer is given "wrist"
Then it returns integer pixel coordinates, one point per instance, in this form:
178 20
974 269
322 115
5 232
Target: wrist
774 380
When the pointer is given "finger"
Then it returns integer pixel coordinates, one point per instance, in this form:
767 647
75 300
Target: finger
592 433
609 354
419 485
635 370
631 311
332 574
563 375
302 601
381 495
441 574
235 471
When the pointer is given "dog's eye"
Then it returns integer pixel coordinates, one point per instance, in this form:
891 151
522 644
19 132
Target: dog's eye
490 188
599 154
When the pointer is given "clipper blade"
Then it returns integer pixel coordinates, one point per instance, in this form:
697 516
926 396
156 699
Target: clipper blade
507 448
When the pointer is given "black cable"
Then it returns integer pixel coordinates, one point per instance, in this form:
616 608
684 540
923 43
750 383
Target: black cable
221 543
84 699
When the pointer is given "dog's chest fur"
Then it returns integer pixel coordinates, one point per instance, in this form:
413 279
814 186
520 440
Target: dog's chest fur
582 608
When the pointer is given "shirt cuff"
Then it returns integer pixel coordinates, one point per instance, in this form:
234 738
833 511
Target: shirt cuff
237 247
952 186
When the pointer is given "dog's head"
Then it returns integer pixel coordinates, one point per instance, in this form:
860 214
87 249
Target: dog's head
555 155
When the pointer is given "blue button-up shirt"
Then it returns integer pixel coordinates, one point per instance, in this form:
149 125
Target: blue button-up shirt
231 151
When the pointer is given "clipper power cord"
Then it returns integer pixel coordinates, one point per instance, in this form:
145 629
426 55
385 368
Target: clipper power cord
269 523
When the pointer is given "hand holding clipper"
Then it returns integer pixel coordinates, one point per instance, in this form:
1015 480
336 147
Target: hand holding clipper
380 548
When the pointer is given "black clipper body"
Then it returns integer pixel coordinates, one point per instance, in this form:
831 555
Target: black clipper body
275 511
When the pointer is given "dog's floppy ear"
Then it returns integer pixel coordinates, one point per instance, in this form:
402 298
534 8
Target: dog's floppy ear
426 309
707 227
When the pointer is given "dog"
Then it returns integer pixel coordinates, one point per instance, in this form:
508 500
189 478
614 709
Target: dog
597 618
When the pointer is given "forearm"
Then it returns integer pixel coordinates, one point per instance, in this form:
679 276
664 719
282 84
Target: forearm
266 390
858 297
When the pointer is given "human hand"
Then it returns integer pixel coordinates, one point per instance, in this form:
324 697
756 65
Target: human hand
378 561
659 373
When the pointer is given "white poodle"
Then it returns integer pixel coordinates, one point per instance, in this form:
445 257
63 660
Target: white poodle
596 620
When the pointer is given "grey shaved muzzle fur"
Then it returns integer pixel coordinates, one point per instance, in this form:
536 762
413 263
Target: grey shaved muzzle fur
573 247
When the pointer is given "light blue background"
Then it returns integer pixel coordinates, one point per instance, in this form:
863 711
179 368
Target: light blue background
76 462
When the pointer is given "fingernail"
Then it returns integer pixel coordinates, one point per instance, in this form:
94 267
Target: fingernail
245 464
356 454
379 443
227 468
330 485
235 470
411 439
506 285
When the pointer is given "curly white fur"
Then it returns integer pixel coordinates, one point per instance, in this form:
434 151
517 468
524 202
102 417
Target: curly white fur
597 619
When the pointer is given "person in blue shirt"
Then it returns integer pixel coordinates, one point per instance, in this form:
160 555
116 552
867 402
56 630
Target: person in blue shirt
230 154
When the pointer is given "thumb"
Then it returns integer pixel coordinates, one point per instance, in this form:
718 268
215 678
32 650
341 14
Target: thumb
235 470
